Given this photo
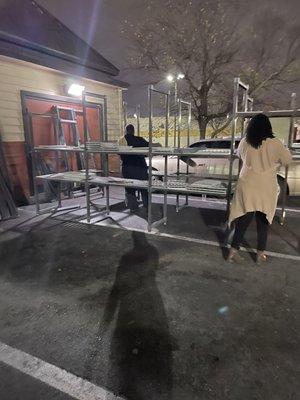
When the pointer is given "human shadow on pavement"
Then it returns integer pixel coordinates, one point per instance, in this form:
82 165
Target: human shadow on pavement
140 361
217 222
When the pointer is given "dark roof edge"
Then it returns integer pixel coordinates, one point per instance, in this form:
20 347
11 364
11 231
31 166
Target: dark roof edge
33 56
7 37
45 10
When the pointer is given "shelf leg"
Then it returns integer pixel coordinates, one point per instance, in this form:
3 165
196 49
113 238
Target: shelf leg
107 199
88 202
149 209
284 195
36 197
177 203
165 207
59 194
282 218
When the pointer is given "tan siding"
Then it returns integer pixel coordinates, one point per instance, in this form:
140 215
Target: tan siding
9 105
11 121
18 75
5 113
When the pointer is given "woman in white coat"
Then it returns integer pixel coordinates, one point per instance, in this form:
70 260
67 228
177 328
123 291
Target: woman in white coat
257 191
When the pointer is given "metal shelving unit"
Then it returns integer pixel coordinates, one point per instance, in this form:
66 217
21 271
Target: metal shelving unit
246 114
61 148
179 187
221 189
89 178
167 186
35 150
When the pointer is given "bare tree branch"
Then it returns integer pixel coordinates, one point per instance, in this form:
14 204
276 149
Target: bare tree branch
205 40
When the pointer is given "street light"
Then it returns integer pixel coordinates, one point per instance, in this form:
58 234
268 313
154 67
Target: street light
172 78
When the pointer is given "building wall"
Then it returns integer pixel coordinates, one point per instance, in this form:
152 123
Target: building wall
18 75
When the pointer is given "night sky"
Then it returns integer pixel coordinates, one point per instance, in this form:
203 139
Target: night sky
98 22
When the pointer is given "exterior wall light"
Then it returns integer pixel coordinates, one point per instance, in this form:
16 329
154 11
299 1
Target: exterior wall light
76 90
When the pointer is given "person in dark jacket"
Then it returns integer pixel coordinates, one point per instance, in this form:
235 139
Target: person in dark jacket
134 167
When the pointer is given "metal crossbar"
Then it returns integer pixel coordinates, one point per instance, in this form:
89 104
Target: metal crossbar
271 114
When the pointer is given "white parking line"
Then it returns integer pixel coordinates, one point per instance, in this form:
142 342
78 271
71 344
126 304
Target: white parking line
53 376
217 244
194 240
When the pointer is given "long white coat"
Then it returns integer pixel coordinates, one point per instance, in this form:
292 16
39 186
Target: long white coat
257 187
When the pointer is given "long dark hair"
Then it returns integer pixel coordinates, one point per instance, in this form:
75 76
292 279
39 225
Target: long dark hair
258 130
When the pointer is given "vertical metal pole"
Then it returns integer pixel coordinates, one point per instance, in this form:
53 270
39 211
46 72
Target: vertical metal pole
107 199
150 88
166 157
292 121
245 108
105 163
59 194
35 185
138 116
124 115
286 172
55 123
86 154
233 131
179 105
175 116
189 123
34 167
250 104
188 145
105 156
105 138
246 102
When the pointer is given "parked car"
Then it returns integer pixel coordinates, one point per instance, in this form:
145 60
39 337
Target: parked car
219 167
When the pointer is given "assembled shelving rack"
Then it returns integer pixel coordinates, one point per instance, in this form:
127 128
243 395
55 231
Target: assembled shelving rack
167 186
294 147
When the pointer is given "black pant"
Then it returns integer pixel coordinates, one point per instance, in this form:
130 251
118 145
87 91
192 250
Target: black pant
133 172
242 224
132 200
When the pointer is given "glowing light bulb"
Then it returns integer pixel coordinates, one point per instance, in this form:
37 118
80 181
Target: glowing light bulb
75 89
